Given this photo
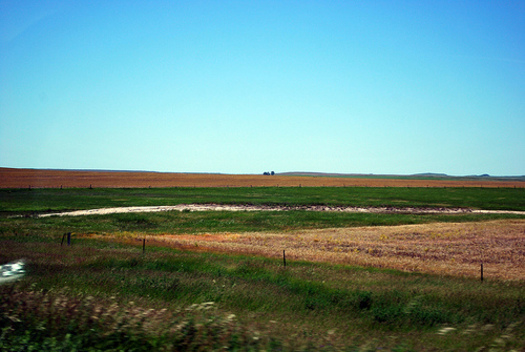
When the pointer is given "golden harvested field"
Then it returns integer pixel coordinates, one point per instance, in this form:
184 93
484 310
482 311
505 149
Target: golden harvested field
455 249
24 178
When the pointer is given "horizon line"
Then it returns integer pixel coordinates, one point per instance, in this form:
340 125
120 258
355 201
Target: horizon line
284 173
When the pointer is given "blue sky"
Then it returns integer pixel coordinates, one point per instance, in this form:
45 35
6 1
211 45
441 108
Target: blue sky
378 87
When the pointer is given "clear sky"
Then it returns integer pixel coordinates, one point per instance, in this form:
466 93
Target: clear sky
244 86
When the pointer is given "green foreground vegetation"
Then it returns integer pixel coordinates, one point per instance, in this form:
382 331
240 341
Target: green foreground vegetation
108 296
99 295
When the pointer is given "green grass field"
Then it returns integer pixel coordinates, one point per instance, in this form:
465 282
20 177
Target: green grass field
42 200
177 222
100 295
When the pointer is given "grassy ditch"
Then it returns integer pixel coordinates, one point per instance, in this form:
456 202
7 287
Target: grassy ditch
114 297
27 201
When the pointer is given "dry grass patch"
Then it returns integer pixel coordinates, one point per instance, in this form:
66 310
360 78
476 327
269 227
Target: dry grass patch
455 249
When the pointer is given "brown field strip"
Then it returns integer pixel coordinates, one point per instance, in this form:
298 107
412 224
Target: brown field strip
24 178
455 249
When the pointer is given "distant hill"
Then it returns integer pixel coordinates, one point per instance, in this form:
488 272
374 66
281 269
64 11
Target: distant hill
430 174
425 175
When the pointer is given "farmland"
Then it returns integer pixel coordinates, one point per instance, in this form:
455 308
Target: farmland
216 280
35 178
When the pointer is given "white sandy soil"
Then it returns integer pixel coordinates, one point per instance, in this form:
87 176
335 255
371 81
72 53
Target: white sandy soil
218 207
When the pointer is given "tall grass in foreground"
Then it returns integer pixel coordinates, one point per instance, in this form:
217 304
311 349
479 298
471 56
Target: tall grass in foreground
59 320
53 321
306 306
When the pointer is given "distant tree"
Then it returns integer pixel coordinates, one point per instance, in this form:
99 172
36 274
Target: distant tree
272 173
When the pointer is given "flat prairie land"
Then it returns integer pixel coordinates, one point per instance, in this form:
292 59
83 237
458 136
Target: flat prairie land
216 280
35 178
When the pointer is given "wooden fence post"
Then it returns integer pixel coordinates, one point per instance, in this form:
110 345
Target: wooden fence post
144 245
284 258
481 271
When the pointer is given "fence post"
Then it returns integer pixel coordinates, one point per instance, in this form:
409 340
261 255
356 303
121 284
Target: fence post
63 237
284 258
144 245
481 271
69 238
